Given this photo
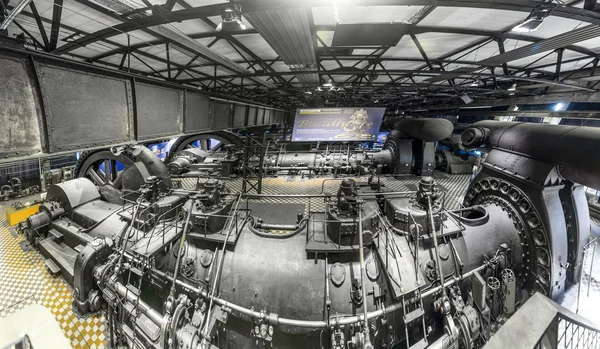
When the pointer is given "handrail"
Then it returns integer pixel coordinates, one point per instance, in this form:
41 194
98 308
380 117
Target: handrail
540 320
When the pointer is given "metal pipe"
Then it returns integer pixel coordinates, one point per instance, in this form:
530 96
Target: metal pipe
580 279
307 323
592 268
431 130
181 246
552 144
327 299
270 226
388 193
218 268
363 277
258 196
134 299
14 13
435 244
452 281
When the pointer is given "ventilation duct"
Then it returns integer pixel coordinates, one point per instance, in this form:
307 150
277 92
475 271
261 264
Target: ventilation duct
287 31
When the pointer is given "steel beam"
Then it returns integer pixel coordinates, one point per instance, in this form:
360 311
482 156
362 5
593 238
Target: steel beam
422 51
55 29
262 5
520 113
13 14
40 25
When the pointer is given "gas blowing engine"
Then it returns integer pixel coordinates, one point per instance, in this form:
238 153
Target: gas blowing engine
409 149
374 269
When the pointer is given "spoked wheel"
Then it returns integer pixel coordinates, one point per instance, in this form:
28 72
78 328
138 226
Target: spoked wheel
210 142
105 169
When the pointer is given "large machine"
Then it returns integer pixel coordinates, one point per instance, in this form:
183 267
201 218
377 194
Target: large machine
409 149
372 268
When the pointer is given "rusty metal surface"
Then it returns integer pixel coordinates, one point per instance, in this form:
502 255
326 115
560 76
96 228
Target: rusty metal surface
222 115
159 111
83 109
198 115
19 127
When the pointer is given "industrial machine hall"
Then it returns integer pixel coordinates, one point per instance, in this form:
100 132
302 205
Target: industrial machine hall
299 174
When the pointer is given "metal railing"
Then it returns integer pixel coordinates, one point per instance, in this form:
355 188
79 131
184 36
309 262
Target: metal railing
543 324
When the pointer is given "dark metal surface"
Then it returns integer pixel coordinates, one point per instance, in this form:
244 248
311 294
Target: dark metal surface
570 150
221 115
239 115
20 130
290 289
535 169
84 109
198 114
431 130
159 111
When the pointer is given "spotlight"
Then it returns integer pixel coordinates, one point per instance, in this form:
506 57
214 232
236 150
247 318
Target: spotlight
512 87
476 83
231 19
559 107
535 18
328 84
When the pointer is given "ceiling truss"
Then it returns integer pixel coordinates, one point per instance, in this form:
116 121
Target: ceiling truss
361 79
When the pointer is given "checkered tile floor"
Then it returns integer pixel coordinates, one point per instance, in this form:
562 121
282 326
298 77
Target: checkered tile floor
24 280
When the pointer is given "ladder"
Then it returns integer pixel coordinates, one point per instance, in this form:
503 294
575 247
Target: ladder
413 311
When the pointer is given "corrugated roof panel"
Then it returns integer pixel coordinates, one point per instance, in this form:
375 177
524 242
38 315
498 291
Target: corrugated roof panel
472 18
553 25
439 44
405 49
258 45
192 26
135 37
401 65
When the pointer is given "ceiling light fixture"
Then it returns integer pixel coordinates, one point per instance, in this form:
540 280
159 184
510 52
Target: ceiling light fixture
231 19
476 83
512 87
535 18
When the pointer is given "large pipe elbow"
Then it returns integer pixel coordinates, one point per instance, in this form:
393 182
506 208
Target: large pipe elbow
431 130
572 149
